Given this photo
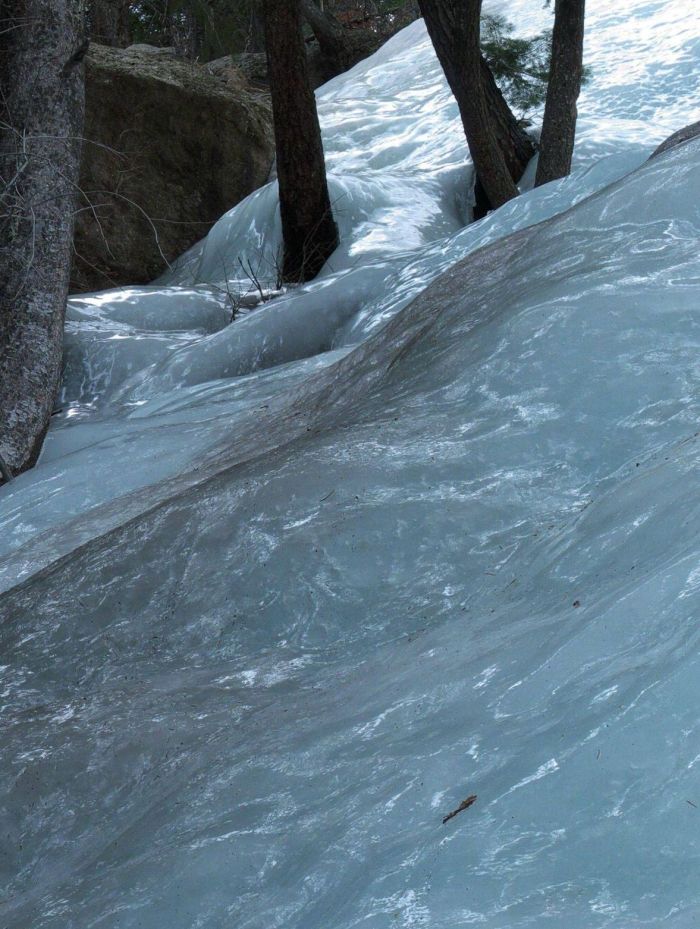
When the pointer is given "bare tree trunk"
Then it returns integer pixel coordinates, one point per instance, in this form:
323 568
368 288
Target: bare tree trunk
309 230
565 75
109 22
256 31
336 46
454 28
41 120
332 38
187 33
517 146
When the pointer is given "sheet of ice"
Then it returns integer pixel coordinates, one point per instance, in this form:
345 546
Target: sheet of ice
398 163
399 177
293 588
467 564
140 405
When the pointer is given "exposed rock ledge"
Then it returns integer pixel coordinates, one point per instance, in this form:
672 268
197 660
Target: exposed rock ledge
678 138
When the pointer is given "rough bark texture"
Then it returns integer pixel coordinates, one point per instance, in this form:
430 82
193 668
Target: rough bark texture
109 22
41 116
308 228
170 146
566 72
454 28
517 147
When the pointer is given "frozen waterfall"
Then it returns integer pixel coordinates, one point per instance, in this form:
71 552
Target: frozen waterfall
283 593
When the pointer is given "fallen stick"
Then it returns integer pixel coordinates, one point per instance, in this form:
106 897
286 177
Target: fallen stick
464 805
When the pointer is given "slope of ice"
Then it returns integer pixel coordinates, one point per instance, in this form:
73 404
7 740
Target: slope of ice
294 588
468 564
148 381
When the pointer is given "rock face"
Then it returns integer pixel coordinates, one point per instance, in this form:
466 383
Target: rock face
169 148
678 138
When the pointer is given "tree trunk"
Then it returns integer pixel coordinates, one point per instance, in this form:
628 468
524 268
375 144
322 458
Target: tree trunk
566 71
41 122
517 146
187 35
255 41
333 40
454 28
109 22
308 228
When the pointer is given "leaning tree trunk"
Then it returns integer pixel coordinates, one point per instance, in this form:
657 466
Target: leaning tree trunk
454 27
566 72
337 52
308 228
41 119
328 32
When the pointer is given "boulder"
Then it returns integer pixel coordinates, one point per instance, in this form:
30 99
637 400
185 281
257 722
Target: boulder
169 147
254 66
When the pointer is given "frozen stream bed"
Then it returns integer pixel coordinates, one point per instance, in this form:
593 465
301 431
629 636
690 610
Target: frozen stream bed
282 594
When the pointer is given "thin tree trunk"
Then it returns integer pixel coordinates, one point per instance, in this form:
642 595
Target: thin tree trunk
454 28
41 122
109 22
566 72
255 41
187 33
309 230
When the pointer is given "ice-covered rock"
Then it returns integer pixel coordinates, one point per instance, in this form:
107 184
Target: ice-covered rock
271 615
678 138
459 560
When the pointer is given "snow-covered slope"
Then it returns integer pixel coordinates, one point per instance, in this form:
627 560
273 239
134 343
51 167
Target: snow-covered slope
295 588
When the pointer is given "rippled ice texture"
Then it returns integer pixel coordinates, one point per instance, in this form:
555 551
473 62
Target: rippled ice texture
295 588
152 373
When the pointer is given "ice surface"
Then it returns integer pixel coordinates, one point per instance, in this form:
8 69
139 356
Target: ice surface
293 588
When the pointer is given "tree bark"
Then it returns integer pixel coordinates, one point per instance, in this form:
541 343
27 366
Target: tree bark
308 228
330 35
41 122
565 75
255 41
454 28
517 146
109 22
